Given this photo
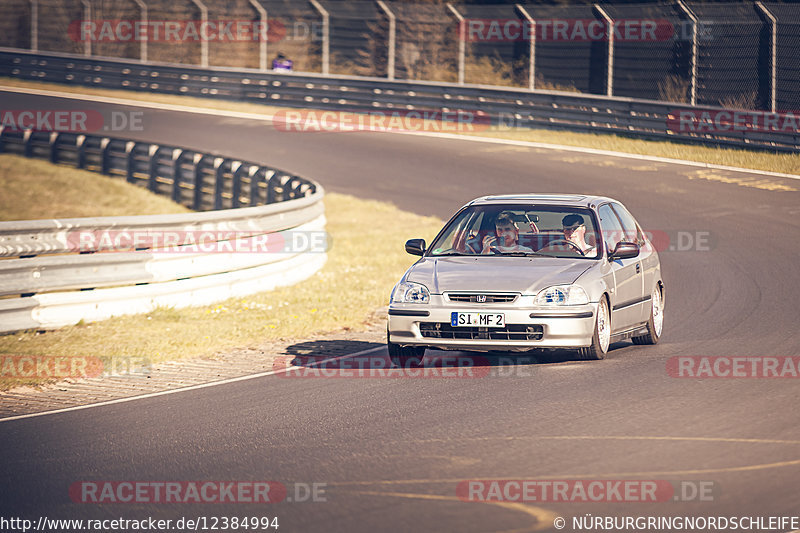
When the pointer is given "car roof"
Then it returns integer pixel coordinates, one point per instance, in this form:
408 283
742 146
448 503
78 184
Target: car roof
573 200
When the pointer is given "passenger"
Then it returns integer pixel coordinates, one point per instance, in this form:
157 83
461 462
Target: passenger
507 236
575 232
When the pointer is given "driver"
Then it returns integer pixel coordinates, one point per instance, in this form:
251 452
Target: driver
575 232
507 236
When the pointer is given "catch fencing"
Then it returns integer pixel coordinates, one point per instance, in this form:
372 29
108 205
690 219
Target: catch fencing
734 54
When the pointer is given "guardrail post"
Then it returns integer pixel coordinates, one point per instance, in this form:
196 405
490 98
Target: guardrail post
80 147
693 18
27 143
531 46
130 162
152 183
236 188
177 174
392 38
203 42
252 175
610 60
87 16
263 33
197 200
104 155
462 42
219 169
773 86
269 197
326 36
143 19
54 146
34 25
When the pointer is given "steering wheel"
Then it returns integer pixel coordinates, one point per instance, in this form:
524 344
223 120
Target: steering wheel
559 242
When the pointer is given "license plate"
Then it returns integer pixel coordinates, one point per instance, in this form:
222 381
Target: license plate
486 320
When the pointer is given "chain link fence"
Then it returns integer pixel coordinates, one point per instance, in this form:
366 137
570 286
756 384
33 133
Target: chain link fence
742 55
787 55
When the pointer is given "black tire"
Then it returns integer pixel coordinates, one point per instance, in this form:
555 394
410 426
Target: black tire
597 350
405 356
653 334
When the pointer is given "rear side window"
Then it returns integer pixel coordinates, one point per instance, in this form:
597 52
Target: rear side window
629 226
612 229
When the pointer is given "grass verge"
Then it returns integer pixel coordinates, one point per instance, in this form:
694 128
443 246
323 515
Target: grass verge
751 159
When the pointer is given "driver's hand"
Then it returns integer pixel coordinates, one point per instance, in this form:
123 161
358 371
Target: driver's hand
488 242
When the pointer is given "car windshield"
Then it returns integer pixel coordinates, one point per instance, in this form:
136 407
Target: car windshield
519 230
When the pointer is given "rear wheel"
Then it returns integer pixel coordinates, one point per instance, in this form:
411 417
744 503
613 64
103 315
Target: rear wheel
656 321
602 334
405 356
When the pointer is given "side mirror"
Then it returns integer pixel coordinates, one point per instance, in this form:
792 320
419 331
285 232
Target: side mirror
417 246
624 250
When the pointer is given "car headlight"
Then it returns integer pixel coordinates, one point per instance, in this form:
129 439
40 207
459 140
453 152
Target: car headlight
409 292
562 295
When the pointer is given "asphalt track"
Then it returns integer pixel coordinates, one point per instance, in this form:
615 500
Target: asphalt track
391 452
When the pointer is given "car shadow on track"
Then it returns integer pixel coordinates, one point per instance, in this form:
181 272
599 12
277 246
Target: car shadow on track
328 354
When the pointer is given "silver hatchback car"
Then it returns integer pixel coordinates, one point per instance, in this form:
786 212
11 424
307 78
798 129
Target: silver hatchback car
520 272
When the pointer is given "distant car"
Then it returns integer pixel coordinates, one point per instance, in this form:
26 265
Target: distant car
474 290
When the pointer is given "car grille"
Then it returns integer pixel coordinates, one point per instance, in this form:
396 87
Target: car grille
473 297
512 332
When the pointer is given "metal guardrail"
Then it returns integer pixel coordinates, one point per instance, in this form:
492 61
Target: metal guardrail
227 255
646 119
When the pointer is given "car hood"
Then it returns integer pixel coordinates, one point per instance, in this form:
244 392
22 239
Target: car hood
496 274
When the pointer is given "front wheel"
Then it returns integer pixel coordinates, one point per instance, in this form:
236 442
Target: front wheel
405 356
602 334
656 321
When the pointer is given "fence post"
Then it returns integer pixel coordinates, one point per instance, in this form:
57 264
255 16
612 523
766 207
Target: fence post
693 18
326 36
531 46
35 25
462 42
392 38
263 34
773 86
143 19
610 60
203 42
87 15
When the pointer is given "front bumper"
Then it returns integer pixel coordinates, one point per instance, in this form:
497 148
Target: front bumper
415 325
